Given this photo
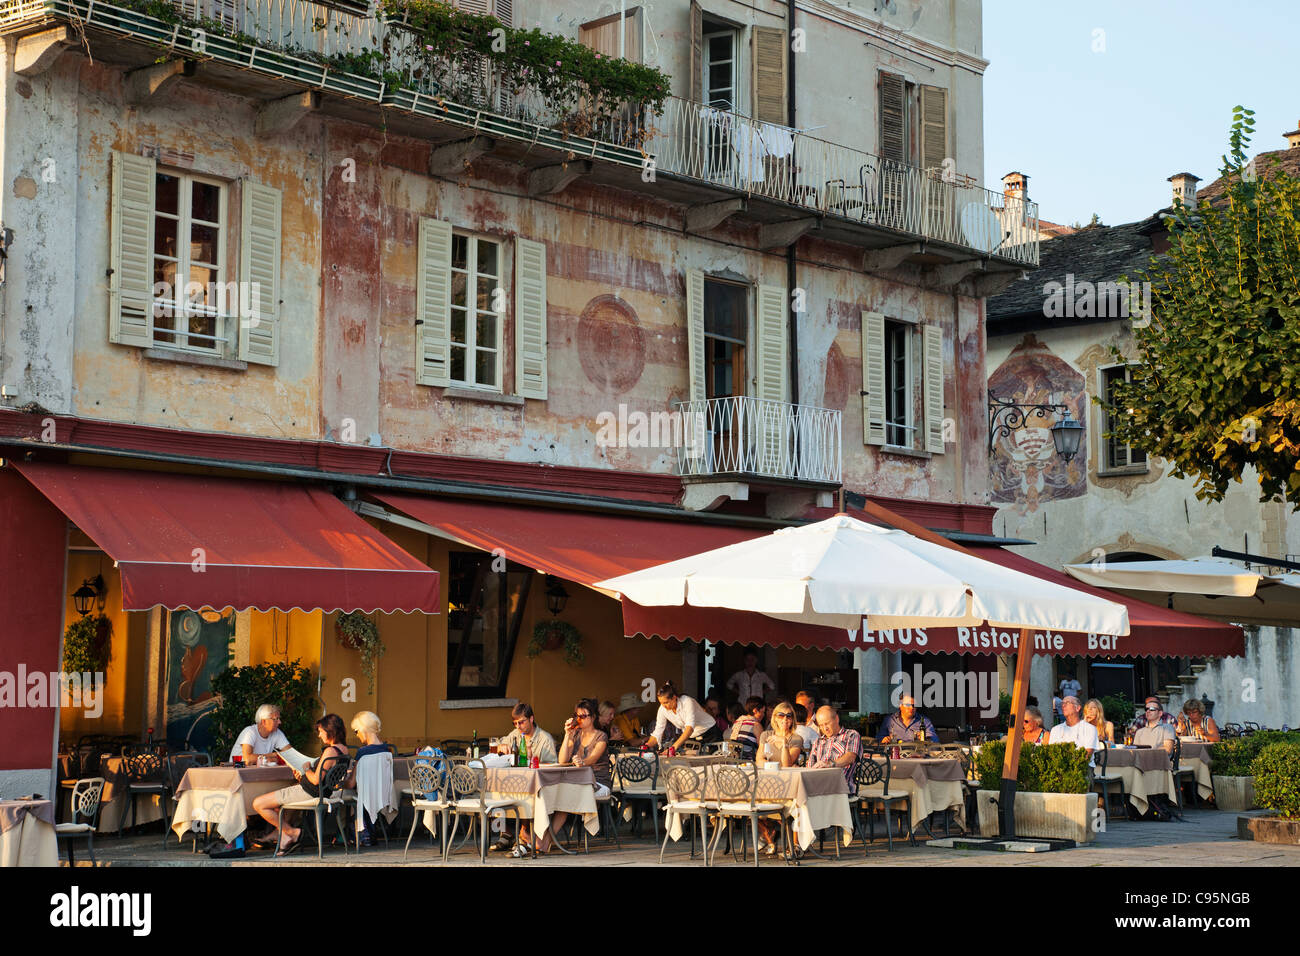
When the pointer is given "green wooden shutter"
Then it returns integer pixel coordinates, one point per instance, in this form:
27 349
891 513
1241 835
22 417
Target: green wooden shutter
695 333
933 397
769 56
130 286
259 265
934 127
873 378
433 304
530 318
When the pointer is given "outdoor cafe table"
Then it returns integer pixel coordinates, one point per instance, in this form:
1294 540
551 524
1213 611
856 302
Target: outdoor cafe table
27 833
817 797
113 801
224 796
931 783
1144 771
1196 757
538 793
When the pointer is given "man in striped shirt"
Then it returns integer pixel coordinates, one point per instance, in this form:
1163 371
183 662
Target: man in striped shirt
837 746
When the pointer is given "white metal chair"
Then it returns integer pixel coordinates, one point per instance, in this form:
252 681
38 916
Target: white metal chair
85 805
867 773
686 797
739 798
429 792
469 800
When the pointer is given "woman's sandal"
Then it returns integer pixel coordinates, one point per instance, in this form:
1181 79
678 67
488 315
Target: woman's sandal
520 852
287 848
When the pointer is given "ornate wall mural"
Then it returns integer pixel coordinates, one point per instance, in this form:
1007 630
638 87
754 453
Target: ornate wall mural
1024 466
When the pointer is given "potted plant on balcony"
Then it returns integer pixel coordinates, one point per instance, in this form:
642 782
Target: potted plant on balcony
360 633
551 634
1052 797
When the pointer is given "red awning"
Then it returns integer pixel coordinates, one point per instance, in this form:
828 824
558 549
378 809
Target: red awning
1154 631
195 541
577 546
587 548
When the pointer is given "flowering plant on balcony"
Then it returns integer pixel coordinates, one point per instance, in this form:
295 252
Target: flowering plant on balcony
587 91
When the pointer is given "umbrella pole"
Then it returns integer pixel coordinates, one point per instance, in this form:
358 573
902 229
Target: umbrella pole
1016 734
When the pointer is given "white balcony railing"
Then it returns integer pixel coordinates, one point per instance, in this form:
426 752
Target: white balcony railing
765 159
740 435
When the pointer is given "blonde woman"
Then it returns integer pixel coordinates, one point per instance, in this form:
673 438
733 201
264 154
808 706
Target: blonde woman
1095 714
366 726
782 745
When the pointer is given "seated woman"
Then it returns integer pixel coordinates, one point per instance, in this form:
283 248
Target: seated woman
1035 732
584 746
330 731
1193 722
782 744
1095 714
366 726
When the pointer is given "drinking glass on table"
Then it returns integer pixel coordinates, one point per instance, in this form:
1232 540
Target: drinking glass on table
494 745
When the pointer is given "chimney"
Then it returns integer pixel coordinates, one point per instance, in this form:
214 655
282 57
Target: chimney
1293 138
1184 189
1015 186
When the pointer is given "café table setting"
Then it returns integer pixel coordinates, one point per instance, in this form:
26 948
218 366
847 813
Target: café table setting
115 802
1195 756
27 836
931 783
224 796
1145 771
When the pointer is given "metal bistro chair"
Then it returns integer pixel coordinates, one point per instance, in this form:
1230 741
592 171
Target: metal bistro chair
146 775
85 804
330 800
1182 775
630 771
686 797
177 766
1103 780
430 791
867 773
469 800
739 799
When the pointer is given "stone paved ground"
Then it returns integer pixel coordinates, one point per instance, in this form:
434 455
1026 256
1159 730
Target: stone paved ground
1203 838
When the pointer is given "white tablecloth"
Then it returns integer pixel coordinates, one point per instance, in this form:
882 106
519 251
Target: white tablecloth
29 843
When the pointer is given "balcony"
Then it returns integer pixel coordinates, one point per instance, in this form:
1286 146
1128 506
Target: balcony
752 438
785 181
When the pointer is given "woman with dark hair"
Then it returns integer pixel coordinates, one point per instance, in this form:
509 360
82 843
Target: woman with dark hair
585 745
686 715
331 733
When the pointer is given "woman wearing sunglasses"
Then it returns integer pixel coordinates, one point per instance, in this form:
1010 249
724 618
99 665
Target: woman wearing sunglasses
585 745
1035 732
781 745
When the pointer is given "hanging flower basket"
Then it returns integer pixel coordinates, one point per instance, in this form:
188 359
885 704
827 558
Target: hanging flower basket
554 634
360 633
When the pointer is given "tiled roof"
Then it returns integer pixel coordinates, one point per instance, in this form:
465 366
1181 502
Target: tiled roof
1267 165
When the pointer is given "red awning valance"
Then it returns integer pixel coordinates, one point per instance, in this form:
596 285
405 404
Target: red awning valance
196 541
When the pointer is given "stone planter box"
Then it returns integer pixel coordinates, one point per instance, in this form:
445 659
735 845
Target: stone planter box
1058 816
1269 829
1234 793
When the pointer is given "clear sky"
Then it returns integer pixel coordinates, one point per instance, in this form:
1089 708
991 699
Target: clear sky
1101 130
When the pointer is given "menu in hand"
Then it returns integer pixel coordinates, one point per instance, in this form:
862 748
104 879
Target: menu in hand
294 759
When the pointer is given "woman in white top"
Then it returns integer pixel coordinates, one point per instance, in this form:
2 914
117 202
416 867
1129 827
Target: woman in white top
684 713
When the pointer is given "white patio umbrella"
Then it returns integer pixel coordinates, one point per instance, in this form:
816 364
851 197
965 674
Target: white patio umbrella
837 571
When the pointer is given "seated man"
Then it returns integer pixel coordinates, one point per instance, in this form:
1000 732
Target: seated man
1154 732
907 724
540 744
837 746
1141 720
1074 729
262 737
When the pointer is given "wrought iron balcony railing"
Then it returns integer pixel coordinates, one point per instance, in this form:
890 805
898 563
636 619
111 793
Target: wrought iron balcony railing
753 437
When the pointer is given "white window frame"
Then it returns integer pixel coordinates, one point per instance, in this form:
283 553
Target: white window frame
1105 466
471 345
227 318
734 36
909 427
749 344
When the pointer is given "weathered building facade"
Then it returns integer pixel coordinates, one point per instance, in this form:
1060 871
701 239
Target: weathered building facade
235 250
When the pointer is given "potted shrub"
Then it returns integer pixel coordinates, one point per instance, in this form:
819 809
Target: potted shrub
1276 771
241 690
553 634
86 644
360 633
1052 798
1230 767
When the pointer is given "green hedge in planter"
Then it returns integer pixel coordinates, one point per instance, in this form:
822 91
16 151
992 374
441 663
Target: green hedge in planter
1050 768
1277 779
1233 758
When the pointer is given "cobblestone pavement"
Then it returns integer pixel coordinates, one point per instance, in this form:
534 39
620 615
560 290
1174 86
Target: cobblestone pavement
1202 838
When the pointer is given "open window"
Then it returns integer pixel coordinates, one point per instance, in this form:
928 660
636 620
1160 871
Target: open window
485 605
902 384
1116 456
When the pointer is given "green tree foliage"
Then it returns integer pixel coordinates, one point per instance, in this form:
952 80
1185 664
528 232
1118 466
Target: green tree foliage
1218 384
1051 768
288 685
1277 779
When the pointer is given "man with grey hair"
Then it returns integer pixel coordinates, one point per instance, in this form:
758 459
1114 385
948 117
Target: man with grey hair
1074 729
262 737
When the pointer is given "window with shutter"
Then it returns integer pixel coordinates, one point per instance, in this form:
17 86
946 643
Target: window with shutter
873 378
932 372
697 359
259 315
433 303
696 89
476 325
775 428
530 318
893 117
769 55
1116 454
603 35
934 127
131 241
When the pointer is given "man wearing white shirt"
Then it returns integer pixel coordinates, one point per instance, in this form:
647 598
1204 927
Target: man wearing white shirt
750 682
1070 687
1075 730
684 713
262 737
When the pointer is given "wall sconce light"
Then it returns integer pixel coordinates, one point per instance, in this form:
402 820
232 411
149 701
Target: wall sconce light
86 597
556 596
1066 433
